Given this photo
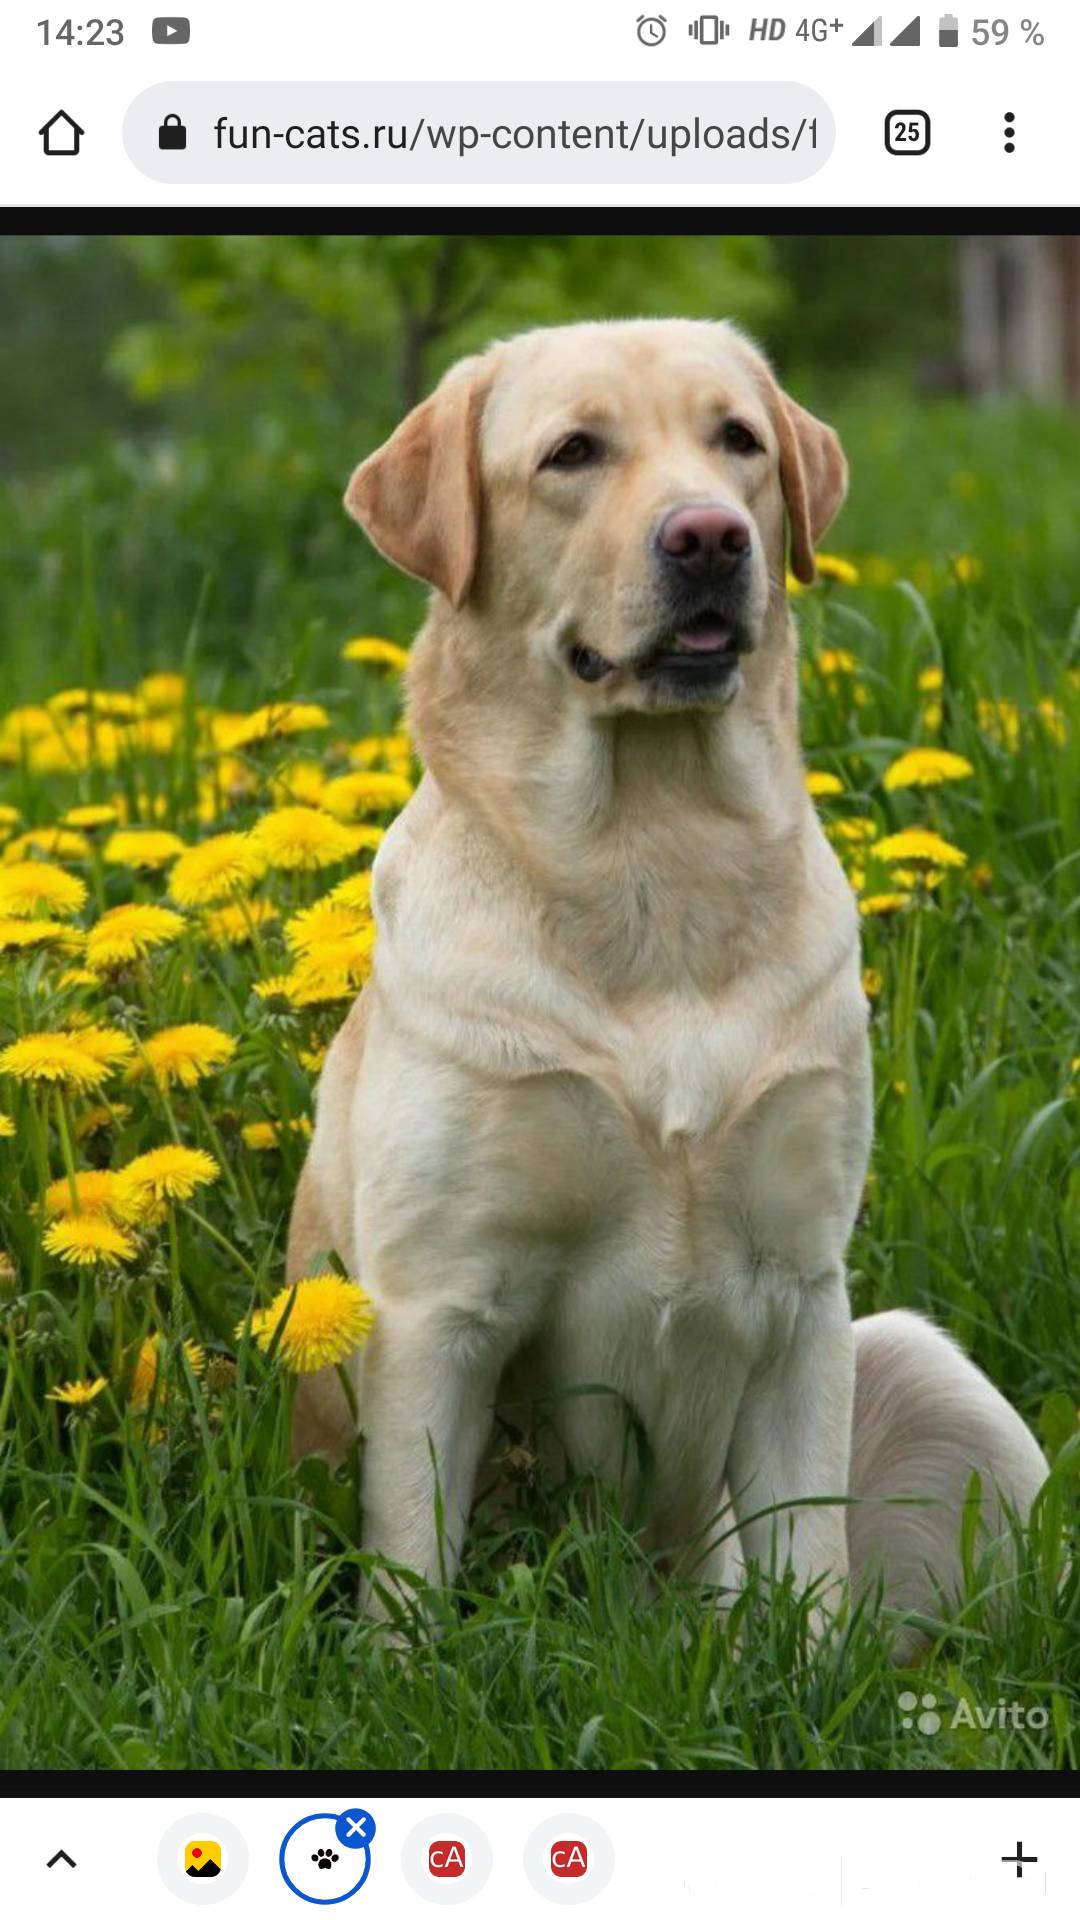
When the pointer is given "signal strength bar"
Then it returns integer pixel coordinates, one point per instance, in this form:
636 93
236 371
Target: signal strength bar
911 36
872 36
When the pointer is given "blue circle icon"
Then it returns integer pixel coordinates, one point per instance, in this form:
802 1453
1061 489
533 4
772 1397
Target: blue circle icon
325 1858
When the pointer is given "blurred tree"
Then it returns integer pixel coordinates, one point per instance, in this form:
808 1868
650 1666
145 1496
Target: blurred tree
884 303
370 321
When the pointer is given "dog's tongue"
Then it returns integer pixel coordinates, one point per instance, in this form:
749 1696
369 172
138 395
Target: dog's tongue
705 639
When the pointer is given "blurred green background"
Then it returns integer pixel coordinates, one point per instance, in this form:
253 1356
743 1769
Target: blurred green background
178 416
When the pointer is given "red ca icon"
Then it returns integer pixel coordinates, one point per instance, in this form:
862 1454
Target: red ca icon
569 1859
446 1859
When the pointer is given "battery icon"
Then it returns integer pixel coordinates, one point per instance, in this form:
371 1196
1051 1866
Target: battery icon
948 30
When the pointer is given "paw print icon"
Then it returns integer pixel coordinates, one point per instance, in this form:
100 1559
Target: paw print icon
325 1858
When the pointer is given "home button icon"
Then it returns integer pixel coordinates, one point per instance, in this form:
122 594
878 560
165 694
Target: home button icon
61 135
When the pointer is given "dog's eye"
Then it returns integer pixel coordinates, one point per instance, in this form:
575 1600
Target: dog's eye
577 450
738 438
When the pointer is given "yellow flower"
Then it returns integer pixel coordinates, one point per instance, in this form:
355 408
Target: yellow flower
921 847
831 567
9 817
21 935
79 700
883 903
298 782
262 1135
154 1180
967 569
303 838
142 847
355 892
832 661
100 1119
58 842
77 1393
96 1191
162 692
184 1055
55 1058
88 1240
87 819
872 982
313 1059
856 830
235 925
326 1318
147 1362
982 876
327 920
7 1127
394 749
334 970
216 870
33 887
820 784
931 680
272 723
355 793
368 651
79 977
109 1045
792 585
925 767
1053 721
1000 721
129 933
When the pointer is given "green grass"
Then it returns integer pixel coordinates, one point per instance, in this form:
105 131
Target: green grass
172 1592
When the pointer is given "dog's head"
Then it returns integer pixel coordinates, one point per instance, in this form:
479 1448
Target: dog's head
614 500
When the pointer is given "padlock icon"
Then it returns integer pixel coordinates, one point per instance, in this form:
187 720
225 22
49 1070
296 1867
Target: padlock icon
172 134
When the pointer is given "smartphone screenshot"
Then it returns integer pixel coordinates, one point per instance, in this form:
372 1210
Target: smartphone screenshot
539 1040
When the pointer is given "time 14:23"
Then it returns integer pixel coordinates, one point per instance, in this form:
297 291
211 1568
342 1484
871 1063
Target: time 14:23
83 33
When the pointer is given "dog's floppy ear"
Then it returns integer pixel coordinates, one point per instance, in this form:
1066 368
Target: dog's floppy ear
418 497
814 477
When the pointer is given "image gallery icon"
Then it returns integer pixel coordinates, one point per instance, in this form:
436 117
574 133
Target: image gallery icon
202 1859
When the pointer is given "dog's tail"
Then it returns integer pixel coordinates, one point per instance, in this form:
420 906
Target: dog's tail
925 1420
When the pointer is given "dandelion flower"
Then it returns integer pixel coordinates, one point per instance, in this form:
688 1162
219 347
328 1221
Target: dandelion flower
999 720
184 1055
820 784
236 924
100 1119
147 1363
32 887
921 848
109 1045
18 936
856 830
967 569
7 1127
302 838
931 680
877 905
129 933
57 843
91 819
872 982
77 1393
393 749
299 783
831 567
355 893
327 920
216 870
833 661
369 651
145 848
272 723
262 1135
334 970
154 1181
328 1319
96 1191
366 792
89 1240
162 692
9 817
925 767
56 1059
1053 721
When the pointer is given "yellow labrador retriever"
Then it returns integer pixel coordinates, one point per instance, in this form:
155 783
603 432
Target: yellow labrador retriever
602 1116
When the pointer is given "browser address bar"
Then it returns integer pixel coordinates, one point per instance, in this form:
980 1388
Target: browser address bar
479 132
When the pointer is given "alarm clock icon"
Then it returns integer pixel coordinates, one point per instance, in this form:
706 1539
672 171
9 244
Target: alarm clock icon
651 29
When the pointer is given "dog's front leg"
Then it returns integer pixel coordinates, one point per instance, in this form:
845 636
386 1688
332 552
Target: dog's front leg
792 1441
430 1380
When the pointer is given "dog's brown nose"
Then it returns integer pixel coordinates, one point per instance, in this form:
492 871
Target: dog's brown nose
704 540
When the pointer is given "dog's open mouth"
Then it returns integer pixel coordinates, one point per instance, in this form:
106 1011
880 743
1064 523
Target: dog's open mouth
704 647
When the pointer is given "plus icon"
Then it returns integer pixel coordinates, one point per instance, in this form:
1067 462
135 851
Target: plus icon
1019 1860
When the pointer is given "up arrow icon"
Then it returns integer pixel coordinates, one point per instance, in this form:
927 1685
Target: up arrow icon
60 1856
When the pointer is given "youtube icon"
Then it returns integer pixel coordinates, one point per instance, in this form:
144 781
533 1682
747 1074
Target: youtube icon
172 30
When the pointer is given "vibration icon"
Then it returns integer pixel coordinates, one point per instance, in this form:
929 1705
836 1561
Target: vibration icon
708 30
